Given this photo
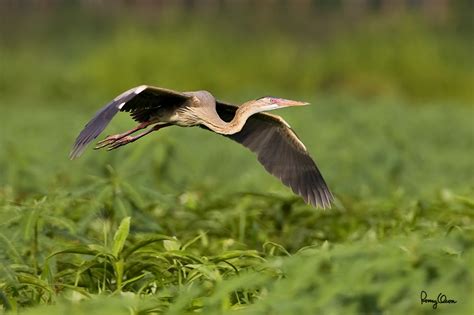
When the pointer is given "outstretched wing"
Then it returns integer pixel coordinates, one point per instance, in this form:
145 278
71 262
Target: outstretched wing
282 154
141 102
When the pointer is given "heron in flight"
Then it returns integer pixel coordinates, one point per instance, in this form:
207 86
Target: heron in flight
277 147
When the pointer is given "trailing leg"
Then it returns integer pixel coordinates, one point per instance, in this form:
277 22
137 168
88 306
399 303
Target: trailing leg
129 139
114 138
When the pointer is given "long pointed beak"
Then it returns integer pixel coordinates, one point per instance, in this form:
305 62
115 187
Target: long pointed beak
284 102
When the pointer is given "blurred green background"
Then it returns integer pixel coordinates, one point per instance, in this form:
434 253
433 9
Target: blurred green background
390 125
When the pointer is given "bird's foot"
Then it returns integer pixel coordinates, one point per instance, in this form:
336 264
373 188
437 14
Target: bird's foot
114 141
108 141
120 142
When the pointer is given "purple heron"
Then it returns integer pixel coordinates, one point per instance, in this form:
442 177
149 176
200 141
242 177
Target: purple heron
277 147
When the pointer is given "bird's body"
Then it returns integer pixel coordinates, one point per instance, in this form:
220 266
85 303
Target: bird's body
277 147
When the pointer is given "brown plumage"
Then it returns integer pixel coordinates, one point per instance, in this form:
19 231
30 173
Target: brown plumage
278 148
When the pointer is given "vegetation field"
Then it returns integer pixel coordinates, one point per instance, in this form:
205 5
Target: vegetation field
185 221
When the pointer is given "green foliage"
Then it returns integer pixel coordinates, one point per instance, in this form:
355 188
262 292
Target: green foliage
394 56
185 221
380 268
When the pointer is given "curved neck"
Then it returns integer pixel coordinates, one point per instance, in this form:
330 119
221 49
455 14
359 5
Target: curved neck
216 124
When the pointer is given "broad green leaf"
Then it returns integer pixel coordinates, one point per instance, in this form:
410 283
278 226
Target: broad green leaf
172 244
121 236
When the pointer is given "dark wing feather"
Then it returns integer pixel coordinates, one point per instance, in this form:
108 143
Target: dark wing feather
141 102
282 154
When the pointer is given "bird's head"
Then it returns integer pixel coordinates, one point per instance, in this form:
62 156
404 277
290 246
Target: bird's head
269 102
